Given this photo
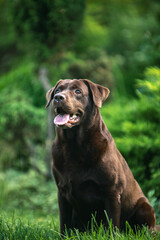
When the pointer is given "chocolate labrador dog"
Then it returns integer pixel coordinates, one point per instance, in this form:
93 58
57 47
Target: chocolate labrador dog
92 176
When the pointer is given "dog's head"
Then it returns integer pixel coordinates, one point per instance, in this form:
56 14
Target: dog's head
71 98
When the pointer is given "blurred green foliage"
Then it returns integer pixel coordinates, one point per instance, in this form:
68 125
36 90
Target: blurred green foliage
111 42
133 35
27 192
47 25
135 125
21 118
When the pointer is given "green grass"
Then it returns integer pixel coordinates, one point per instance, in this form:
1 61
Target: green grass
29 211
15 227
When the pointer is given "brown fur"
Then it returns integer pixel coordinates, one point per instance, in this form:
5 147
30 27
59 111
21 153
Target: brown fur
91 174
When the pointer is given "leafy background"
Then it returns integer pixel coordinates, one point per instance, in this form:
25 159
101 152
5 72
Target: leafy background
115 43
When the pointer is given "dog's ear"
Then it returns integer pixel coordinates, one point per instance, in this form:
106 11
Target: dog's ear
99 93
50 94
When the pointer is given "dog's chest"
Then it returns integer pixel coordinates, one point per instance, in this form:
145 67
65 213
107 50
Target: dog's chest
81 187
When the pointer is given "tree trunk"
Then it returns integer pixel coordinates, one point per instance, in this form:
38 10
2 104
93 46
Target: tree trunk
50 129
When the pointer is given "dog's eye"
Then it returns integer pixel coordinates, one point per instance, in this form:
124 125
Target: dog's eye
57 91
77 91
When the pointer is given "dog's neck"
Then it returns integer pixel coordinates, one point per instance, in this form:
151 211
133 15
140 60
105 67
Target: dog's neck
79 142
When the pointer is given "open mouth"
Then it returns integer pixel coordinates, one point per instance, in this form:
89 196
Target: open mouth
66 119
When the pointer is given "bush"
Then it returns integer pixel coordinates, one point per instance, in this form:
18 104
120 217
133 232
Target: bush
22 121
135 125
98 70
46 24
28 192
132 35
94 65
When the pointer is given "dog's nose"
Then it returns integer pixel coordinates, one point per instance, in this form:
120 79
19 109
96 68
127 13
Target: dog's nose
59 97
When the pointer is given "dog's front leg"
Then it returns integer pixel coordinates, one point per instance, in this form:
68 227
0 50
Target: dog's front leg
113 210
65 212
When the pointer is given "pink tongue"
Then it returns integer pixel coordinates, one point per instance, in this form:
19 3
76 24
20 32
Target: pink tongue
61 119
